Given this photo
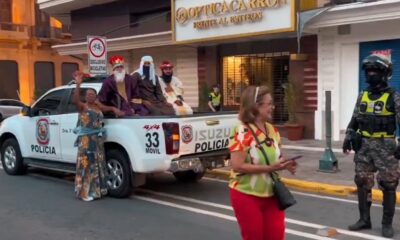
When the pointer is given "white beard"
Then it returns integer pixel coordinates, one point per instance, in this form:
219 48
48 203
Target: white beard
119 76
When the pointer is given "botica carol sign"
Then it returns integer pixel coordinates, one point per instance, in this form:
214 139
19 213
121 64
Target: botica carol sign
196 21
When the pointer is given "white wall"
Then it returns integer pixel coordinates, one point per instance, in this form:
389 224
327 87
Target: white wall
326 77
349 74
338 66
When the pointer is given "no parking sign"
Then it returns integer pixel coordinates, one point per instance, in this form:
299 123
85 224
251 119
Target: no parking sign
97 52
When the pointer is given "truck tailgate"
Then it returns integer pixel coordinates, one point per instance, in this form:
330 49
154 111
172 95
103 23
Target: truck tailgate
206 133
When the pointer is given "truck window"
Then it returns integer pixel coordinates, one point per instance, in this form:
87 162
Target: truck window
49 104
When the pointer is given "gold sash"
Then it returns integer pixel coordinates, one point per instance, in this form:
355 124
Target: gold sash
121 90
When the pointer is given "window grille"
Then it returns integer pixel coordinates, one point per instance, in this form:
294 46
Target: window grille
270 69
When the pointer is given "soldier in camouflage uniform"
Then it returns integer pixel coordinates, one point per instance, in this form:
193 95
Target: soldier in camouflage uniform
371 134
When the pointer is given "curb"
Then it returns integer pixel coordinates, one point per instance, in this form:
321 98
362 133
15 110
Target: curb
314 187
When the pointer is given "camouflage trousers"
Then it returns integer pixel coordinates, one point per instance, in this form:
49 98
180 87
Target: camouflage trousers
376 155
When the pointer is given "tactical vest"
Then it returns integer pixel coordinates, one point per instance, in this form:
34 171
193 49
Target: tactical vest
215 99
374 119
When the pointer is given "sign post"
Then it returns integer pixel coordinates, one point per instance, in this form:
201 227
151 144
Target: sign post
328 162
97 55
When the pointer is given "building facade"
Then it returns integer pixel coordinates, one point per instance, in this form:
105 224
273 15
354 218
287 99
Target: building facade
347 34
257 56
28 64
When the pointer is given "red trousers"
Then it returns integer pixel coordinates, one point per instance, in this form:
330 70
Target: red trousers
259 218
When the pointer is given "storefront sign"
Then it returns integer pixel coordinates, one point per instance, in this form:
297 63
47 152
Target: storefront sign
97 55
222 19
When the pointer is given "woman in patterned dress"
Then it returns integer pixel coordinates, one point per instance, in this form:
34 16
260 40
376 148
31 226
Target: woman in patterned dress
90 178
251 194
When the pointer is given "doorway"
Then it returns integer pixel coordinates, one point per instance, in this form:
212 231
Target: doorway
240 71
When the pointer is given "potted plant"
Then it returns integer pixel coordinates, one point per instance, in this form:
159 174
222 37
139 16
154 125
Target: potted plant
293 129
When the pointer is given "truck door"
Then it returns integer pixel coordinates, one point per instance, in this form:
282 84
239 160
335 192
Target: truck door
43 129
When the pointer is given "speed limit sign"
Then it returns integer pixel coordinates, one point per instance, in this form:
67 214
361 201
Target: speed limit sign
97 52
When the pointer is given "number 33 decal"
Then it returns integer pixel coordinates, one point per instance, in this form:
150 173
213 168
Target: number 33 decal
152 140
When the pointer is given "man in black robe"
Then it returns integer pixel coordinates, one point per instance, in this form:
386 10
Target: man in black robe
150 90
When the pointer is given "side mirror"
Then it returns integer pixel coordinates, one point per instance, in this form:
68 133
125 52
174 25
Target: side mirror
26 111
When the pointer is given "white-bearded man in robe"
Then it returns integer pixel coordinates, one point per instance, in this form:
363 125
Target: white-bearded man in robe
120 90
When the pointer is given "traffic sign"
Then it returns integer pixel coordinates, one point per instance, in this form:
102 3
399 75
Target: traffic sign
97 55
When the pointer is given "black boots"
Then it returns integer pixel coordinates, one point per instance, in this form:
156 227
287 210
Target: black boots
389 204
364 206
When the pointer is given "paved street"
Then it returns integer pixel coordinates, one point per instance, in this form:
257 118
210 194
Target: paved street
41 205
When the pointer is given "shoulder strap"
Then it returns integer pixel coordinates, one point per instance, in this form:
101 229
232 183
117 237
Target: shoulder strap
262 150
259 144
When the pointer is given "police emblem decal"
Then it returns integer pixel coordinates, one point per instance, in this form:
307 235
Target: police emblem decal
187 133
378 107
42 131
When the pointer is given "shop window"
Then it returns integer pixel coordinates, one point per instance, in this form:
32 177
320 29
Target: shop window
10 84
44 78
5 11
66 72
271 70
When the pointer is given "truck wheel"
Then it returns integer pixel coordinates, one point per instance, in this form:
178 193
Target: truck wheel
11 158
189 176
119 174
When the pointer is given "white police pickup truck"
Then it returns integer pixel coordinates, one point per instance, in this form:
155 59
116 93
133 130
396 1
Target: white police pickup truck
42 137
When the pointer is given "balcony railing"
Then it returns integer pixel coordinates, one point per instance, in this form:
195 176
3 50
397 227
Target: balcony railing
14 31
48 32
24 32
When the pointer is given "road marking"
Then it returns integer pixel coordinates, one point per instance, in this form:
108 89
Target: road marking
215 179
187 199
289 220
1 167
313 149
335 199
308 194
220 215
303 234
342 231
221 206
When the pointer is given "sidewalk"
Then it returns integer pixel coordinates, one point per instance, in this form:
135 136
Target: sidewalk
308 178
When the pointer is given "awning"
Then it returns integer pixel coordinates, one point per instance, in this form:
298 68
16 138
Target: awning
353 14
119 44
61 9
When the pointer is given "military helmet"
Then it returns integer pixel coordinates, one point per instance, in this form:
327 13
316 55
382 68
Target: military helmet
378 62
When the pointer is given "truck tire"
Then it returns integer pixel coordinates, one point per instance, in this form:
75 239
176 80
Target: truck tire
189 176
119 174
11 158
